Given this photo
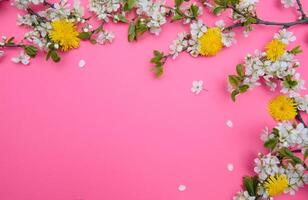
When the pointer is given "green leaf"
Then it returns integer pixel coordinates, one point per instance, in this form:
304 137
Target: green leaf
289 82
275 132
271 143
178 3
251 184
286 153
158 71
141 26
53 55
158 53
234 94
306 154
176 17
84 35
217 10
10 41
296 50
129 4
93 41
120 18
30 50
239 70
194 10
132 32
243 88
222 3
234 80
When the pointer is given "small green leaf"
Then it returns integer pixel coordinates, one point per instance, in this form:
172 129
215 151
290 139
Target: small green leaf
30 50
243 88
222 3
120 18
178 3
194 10
158 71
158 53
251 185
234 94
234 80
10 41
271 143
93 41
129 4
306 154
296 50
239 70
54 56
84 35
141 26
217 10
286 153
176 17
132 32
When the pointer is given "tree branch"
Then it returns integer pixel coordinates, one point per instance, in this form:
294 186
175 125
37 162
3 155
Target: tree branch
11 45
303 20
300 119
32 12
300 9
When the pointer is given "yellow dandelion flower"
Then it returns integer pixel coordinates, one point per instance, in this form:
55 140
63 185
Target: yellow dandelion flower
275 49
282 108
65 34
210 42
276 185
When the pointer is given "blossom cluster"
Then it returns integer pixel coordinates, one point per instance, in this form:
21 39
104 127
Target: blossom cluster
200 41
55 27
282 170
148 15
192 42
276 66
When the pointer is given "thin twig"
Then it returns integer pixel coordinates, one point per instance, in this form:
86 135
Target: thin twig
303 20
284 24
300 119
32 12
48 4
11 45
300 9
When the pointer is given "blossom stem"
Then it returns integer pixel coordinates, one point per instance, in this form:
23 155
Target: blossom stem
12 45
300 9
48 4
283 24
303 20
32 12
174 10
300 119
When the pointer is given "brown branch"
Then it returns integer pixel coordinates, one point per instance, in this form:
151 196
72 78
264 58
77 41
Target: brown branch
12 46
32 12
303 20
300 9
300 119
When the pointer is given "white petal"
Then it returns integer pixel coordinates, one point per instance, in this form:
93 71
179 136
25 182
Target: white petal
229 123
82 63
230 167
182 188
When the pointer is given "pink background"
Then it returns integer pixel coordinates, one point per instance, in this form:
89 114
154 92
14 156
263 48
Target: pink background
110 131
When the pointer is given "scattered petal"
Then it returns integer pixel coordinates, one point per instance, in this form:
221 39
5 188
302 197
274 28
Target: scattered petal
197 87
230 167
82 63
182 188
229 123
